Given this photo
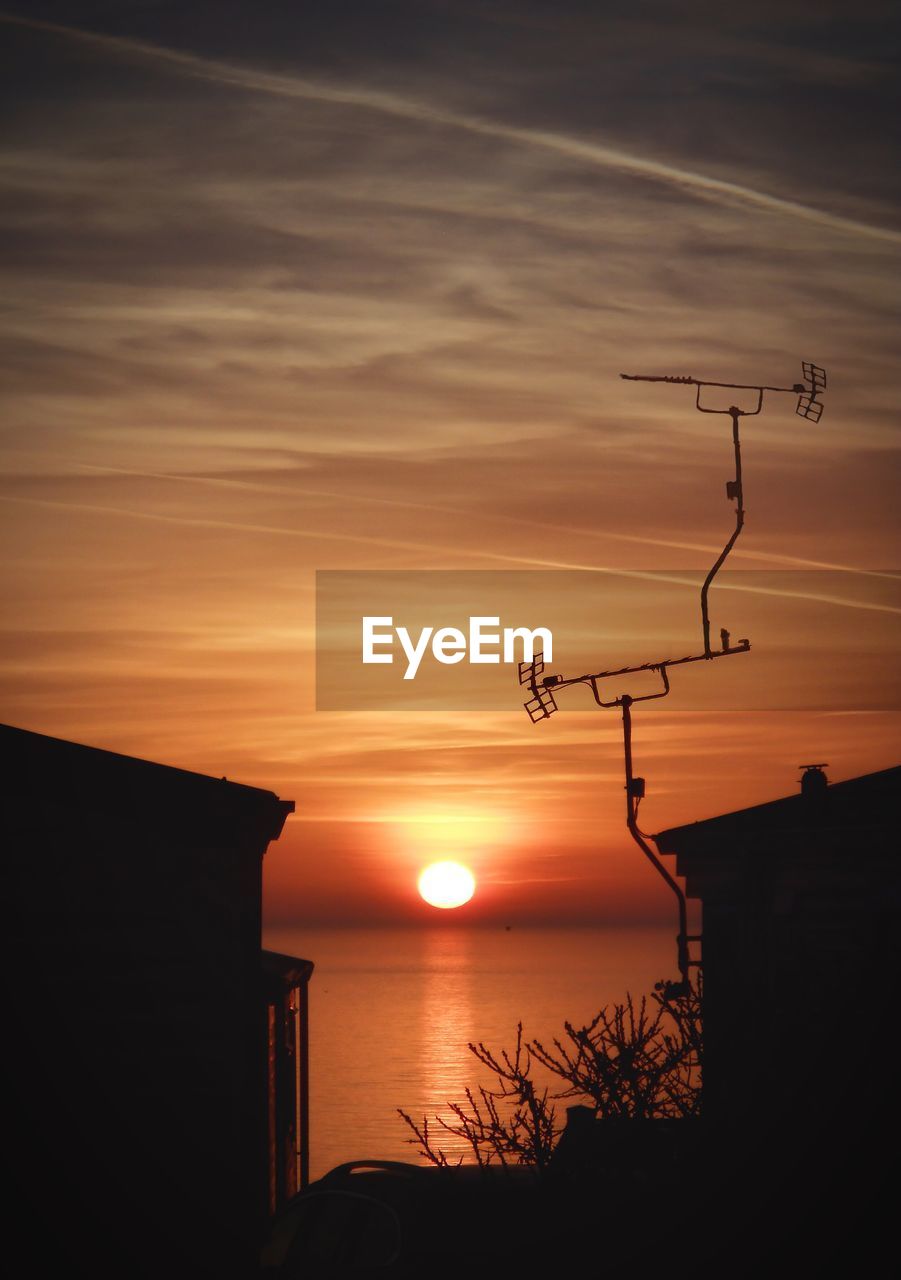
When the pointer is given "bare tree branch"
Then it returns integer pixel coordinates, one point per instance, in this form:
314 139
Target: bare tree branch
632 1061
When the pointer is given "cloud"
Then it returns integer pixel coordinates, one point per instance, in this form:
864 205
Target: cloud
355 288
582 152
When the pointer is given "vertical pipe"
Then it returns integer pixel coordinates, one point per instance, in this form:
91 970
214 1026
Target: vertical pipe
733 490
303 1097
632 824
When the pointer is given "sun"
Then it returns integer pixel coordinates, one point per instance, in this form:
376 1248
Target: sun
446 884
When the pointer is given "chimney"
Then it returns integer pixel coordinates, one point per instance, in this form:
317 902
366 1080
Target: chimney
813 780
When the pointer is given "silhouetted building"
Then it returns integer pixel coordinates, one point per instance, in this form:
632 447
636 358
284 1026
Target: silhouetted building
801 934
801 915
158 1057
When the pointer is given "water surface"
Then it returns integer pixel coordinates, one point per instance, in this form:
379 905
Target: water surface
392 1013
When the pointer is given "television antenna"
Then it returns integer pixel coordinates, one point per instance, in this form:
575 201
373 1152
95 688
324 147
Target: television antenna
542 703
809 406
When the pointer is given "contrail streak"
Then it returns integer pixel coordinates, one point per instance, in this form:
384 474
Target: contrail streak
524 562
585 152
405 504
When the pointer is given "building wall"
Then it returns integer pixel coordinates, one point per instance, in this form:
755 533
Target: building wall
801 929
801 939
133 1005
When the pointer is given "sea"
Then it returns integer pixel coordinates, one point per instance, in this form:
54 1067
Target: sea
393 1012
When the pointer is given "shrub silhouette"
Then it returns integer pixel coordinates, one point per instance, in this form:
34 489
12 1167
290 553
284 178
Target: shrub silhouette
636 1060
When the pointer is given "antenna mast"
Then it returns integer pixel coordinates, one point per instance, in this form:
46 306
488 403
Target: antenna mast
542 704
809 406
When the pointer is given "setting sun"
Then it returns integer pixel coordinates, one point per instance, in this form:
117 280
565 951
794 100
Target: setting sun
446 884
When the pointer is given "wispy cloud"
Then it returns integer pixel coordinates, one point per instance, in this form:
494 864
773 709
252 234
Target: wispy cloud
332 290
582 152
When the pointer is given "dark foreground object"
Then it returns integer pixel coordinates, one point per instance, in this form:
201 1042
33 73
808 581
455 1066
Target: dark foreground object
142 1131
648 1203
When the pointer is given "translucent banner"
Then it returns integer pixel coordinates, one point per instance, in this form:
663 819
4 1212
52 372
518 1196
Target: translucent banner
452 640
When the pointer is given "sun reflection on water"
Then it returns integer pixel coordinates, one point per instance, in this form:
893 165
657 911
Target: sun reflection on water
446 1025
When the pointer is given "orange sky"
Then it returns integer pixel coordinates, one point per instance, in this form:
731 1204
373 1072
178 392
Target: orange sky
266 317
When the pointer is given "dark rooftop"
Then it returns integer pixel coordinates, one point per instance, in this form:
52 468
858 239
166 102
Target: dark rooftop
856 803
289 969
43 770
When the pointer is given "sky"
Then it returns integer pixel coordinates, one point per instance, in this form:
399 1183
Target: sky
301 286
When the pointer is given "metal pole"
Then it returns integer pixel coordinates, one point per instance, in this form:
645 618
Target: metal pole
303 1068
733 490
632 824
797 388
